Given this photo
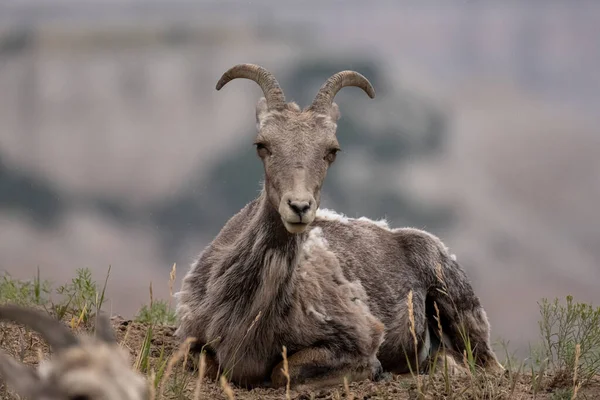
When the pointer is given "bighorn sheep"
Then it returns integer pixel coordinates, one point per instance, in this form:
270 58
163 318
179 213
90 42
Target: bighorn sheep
332 289
82 368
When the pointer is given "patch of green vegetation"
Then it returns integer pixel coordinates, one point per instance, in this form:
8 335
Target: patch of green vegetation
24 292
157 313
567 360
77 300
81 298
570 339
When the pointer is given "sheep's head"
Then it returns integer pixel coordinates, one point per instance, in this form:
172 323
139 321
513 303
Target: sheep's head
86 368
296 146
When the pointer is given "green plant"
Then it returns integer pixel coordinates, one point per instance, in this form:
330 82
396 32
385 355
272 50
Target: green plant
24 292
161 365
142 362
81 297
563 327
157 313
537 369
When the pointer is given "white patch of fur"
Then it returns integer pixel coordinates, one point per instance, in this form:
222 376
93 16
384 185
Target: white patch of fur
357 290
325 214
315 239
382 223
293 105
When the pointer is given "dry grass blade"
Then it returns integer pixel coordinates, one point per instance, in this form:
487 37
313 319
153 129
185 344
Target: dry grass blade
181 352
172 276
40 355
82 315
466 363
122 344
438 320
576 385
439 273
349 394
445 372
201 372
411 318
76 322
286 373
226 388
151 388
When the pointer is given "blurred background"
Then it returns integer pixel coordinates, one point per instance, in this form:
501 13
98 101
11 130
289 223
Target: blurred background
116 149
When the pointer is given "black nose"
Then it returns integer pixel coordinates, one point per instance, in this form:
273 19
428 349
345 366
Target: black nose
299 207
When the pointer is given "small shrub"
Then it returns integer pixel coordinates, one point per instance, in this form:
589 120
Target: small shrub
158 313
562 327
81 297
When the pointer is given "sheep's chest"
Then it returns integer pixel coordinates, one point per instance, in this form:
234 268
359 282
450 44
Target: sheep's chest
251 353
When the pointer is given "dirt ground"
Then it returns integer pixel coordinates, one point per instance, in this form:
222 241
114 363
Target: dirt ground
26 346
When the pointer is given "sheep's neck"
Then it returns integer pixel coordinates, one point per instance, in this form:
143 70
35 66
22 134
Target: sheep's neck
261 266
273 235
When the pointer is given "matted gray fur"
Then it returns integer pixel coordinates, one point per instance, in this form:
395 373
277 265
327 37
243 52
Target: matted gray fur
333 290
82 368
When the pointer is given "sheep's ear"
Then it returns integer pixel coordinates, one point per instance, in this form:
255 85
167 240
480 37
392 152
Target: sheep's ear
334 112
262 109
20 377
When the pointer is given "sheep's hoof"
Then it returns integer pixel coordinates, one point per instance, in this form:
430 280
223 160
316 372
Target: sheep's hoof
384 377
496 368
377 371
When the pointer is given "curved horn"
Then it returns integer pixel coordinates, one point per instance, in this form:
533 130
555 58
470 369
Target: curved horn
324 99
260 75
56 334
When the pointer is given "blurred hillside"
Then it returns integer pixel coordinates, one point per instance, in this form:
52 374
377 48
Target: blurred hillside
116 149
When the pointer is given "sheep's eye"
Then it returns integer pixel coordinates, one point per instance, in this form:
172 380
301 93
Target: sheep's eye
331 154
262 150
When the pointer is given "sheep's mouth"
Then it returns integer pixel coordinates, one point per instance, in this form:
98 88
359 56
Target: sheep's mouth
295 227
298 224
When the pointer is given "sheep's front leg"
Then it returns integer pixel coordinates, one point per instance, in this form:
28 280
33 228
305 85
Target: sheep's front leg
317 367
